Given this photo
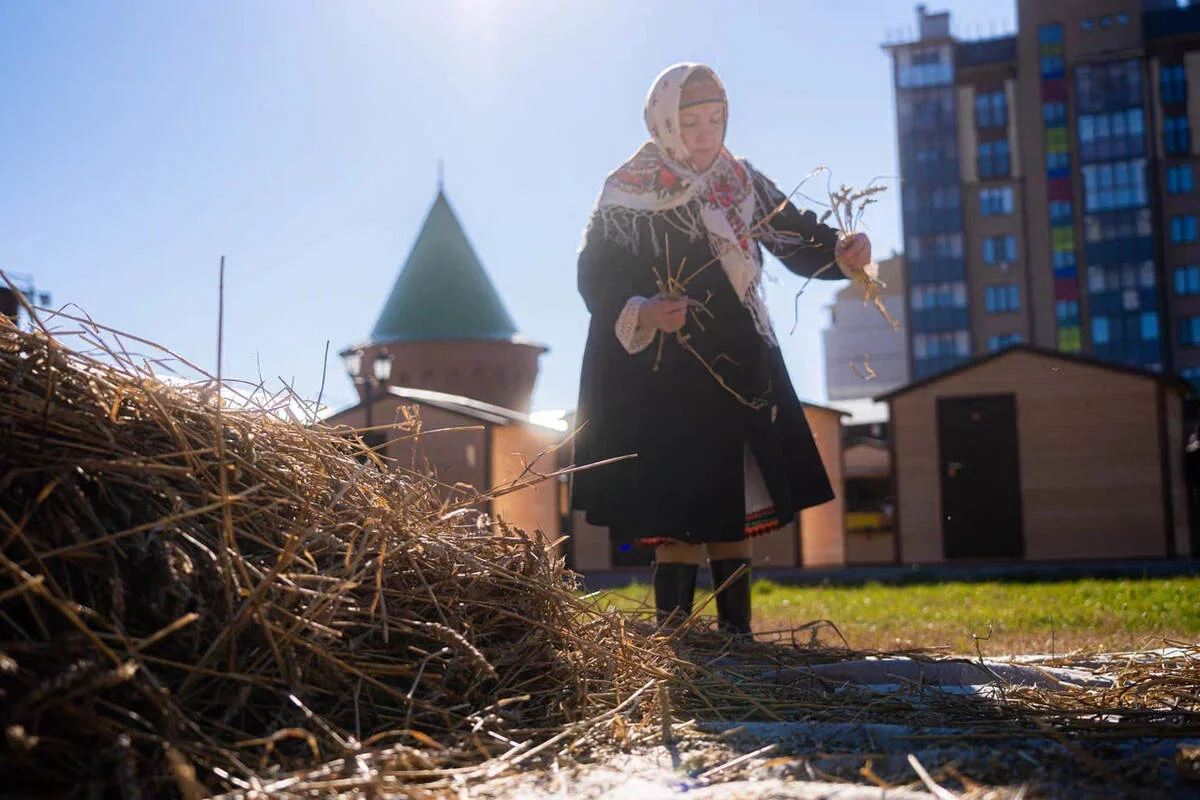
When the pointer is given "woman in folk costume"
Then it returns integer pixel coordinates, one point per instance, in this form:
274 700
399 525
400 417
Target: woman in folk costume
718 461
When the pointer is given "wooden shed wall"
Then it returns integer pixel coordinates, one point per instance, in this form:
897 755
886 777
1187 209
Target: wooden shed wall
536 507
453 456
823 527
448 454
1176 436
590 542
864 460
1089 455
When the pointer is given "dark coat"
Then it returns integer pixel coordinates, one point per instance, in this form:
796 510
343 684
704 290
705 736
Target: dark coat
689 433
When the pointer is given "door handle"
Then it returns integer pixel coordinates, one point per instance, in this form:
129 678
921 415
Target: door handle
953 468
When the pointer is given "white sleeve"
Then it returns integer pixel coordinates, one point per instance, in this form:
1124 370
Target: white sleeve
633 336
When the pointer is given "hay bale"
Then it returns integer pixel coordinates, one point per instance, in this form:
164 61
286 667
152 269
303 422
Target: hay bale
188 587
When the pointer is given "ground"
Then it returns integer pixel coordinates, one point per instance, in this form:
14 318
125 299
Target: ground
975 719
934 745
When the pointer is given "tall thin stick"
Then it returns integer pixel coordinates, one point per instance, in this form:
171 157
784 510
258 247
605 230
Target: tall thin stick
321 392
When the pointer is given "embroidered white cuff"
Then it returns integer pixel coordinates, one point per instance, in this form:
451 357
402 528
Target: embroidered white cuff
633 336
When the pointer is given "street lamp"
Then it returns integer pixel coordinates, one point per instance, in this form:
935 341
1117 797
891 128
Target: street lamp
383 368
353 361
380 374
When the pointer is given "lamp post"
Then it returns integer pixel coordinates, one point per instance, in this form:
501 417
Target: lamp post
381 372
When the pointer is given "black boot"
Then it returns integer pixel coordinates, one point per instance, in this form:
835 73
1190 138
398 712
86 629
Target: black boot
674 586
733 604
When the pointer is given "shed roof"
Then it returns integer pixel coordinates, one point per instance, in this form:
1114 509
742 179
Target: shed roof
818 407
1167 380
458 404
467 407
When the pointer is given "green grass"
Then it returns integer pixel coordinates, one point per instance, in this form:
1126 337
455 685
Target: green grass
1082 615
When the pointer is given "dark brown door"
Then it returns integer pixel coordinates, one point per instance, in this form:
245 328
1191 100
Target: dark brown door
981 477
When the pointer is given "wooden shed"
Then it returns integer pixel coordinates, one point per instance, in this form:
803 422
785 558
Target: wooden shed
475 445
1030 454
870 506
816 538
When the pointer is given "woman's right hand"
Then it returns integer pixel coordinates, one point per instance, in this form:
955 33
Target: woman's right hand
664 314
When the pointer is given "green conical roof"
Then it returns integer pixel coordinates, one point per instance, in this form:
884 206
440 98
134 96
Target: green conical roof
443 291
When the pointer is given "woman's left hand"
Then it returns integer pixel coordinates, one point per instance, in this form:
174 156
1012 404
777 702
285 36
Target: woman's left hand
853 251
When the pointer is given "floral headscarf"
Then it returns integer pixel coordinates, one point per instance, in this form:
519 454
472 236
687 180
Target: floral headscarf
718 203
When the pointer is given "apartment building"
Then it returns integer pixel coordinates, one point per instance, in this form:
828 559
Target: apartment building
1048 185
864 355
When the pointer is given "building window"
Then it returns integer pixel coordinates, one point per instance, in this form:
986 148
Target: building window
1184 229
1149 326
1000 249
1187 280
1121 184
931 109
1052 65
1100 330
936 345
1060 212
1122 18
1064 260
1172 82
1108 85
1057 161
1066 312
1130 300
1002 298
1056 139
1054 115
924 151
1147 275
996 202
948 245
1189 331
1063 238
945 197
949 294
1070 340
991 110
1128 224
962 343
1126 278
928 67
1129 277
1112 135
1003 340
933 345
993 159
1088 23
1179 179
1177 135
1050 34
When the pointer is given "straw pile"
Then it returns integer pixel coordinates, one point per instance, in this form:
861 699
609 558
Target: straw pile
193 597
197 598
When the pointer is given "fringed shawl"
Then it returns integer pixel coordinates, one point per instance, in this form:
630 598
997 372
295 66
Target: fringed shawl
720 203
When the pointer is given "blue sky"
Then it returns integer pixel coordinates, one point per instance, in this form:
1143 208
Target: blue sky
141 141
